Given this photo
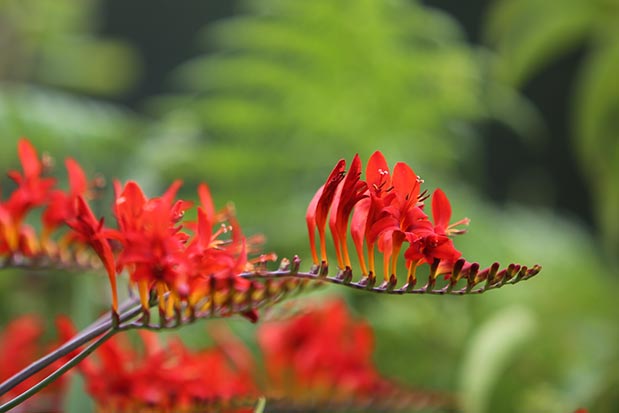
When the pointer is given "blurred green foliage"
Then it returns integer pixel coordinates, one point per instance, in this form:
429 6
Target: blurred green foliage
55 43
283 90
292 86
343 72
528 35
53 68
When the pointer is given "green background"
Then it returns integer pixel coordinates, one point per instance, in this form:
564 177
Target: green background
510 106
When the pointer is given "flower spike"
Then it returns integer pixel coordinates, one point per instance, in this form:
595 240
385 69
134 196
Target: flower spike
388 213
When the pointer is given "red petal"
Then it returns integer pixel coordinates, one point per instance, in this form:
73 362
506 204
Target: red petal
358 223
204 230
29 160
351 193
328 192
405 183
206 201
387 222
77 177
170 193
441 211
310 218
129 205
333 224
377 170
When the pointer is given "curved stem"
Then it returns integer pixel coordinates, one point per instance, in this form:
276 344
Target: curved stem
100 326
56 374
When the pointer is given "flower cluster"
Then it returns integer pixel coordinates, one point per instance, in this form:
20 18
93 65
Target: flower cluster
33 190
201 268
176 262
322 357
324 350
387 210
168 378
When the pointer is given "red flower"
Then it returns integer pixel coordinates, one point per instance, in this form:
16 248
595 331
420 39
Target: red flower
319 358
152 241
63 205
167 378
60 207
441 212
318 210
320 355
350 191
387 211
90 231
32 191
20 344
181 262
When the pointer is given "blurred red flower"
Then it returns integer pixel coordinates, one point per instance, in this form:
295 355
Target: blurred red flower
322 354
20 344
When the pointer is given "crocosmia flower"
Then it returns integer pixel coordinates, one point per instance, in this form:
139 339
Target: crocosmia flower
168 377
187 266
387 212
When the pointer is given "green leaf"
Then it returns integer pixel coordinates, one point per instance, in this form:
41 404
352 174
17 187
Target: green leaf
495 344
529 33
597 136
104 68
393 71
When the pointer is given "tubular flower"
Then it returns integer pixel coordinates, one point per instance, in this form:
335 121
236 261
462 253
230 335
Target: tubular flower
32 191
387 212
90 231
318 210
183 264
388 215
19 242
323 358
187 267
167 378
62 206
320 353
350 191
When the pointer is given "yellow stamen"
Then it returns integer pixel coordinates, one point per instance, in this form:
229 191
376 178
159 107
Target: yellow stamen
412 269
386 259
161 290
359 249
323 245
371 258
144 293
394 258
